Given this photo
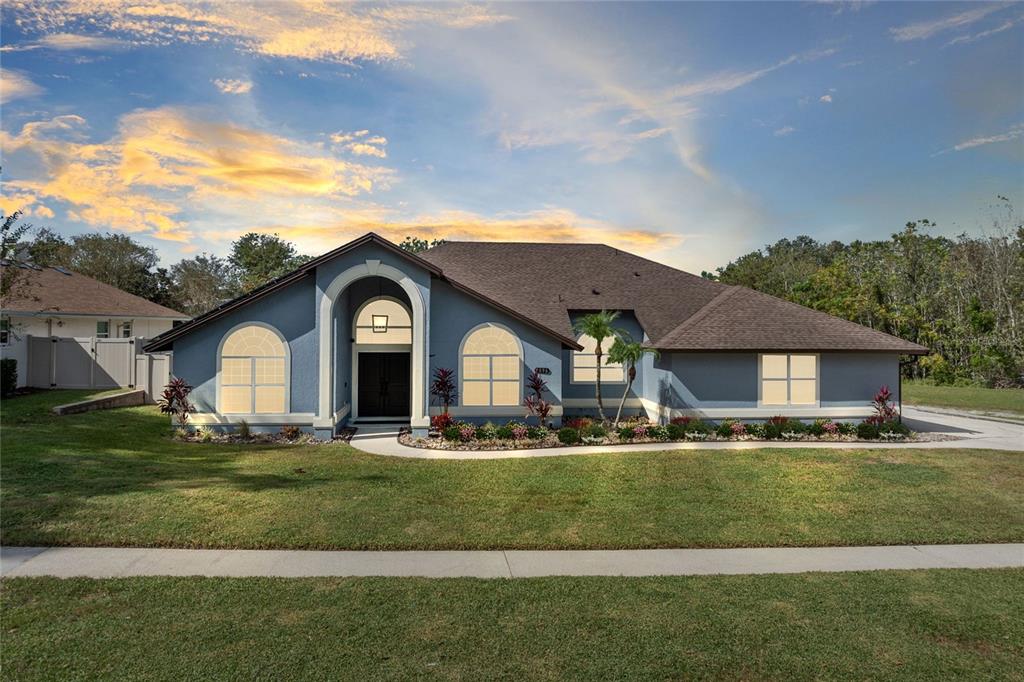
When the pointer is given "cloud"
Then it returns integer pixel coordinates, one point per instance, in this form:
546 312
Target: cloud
1013 133
784 131
825 99
547 225
231 86
16 85
855 62
302 29
359 144
66 42
970 38
926 29
166 164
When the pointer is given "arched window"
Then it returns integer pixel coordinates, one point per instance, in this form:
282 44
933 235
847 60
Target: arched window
253 372
383 320
491 367
584 362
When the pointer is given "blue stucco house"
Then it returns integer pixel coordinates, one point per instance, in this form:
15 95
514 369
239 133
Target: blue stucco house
354 336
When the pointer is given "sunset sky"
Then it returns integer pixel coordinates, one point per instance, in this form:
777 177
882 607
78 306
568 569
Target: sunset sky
688 133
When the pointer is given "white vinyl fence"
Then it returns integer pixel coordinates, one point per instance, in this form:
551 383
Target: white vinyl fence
89 362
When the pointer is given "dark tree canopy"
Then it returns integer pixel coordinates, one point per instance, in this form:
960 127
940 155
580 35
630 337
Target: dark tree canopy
417 245
258 258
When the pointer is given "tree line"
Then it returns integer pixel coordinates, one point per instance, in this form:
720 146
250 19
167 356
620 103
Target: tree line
963 298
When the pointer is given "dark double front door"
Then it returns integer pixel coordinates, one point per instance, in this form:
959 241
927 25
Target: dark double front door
384 385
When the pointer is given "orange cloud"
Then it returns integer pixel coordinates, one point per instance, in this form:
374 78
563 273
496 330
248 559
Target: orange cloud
547 225
16 85
163 160
303 29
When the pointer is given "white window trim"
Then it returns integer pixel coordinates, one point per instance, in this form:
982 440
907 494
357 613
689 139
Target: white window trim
359 310
107 334
287 371
490 382
789 361
604 356
8 331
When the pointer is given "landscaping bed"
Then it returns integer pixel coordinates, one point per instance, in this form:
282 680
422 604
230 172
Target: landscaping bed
288 435
447 434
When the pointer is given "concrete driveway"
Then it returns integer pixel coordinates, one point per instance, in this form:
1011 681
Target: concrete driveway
960 430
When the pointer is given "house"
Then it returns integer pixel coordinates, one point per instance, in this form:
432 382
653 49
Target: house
355 335
56 302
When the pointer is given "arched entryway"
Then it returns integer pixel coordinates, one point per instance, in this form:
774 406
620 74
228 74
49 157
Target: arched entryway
333 407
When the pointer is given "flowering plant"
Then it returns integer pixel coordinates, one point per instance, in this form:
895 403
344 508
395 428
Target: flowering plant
639 431
831 428
738 429
520 431
467 431
440 422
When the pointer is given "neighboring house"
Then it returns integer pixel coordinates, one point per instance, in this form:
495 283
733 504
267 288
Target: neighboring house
355 335
49 301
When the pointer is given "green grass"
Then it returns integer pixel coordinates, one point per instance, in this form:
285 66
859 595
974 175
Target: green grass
1010 400
116 478
929 625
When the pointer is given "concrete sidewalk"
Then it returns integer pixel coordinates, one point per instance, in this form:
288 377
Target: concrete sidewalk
99 562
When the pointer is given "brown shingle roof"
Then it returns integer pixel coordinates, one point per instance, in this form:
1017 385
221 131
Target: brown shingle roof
677 310
49 290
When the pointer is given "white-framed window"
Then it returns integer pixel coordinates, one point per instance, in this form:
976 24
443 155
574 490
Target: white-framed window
491 359
5 331
383 320
103 329
584 363
789 379
125 329
253 372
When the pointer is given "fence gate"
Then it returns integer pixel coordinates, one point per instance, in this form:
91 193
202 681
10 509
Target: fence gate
87 362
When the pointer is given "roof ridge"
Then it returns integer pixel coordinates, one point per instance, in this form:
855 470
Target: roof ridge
704 310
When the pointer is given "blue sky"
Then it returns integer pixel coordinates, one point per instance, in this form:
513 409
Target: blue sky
689 133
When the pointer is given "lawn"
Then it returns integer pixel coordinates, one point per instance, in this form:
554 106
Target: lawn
117 478
936 625
1010 400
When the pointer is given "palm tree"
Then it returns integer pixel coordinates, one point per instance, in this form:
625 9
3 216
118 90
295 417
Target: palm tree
628 353
598 326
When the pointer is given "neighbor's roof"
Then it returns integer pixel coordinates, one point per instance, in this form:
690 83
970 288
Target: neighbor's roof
55 291
677 310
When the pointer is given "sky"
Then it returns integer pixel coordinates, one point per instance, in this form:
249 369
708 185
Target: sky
689 133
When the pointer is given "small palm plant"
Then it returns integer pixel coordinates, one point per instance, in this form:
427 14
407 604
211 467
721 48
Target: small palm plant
598 326
628 353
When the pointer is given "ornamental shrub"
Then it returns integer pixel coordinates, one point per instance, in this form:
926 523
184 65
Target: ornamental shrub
536 432
568 435
518 431
867 430
697 426
452 432
898 428
578 423
675 431
681 421
640 431
817 428
625 433
486 431
846 428
830 428
594 431
739 429
756 430
8 376
440 422
504 432
657 432
725 428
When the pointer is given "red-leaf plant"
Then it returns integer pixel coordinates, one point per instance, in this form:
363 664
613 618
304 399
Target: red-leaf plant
885 411
174 400
535 403
443 387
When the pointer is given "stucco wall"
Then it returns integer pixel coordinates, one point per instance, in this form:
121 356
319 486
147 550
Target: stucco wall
454 314
291 312
611 392
854 378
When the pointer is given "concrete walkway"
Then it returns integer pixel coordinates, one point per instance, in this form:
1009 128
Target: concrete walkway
99 562
969 431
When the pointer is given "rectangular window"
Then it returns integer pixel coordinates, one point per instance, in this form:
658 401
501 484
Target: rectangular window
584 363
125 329
103 329
490 380
5 331
789 379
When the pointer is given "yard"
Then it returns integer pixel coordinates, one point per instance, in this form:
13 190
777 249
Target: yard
1008 400
117 478
934 625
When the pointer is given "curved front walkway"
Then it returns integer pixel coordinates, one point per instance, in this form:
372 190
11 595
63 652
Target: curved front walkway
967 431
120 562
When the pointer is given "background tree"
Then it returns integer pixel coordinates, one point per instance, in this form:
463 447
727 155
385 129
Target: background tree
598 326
258 258
417 245
200 283
14 280
628 353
